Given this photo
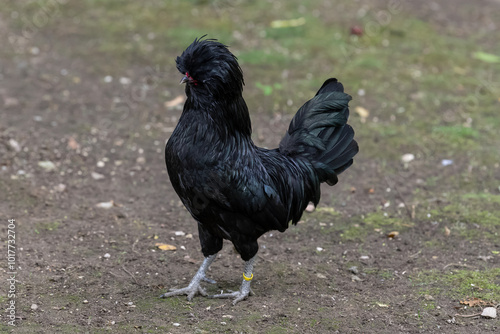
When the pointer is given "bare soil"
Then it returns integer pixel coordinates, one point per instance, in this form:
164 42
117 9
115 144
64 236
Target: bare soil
89 269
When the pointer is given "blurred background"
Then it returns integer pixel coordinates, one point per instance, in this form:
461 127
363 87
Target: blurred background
89 93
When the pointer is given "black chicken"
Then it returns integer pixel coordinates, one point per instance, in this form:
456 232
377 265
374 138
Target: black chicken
234 189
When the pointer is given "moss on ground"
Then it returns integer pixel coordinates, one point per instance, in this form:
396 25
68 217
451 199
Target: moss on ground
483 284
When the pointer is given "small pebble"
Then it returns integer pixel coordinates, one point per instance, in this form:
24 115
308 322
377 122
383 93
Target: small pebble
408 157
34 307
47 165
105 205
489 312
15 145
107 255
60 187
176 324
446 162
354 270
125 81
310 207
97 176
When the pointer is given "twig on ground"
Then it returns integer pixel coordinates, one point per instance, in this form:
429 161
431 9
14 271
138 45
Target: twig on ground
128 272
416 254
220 306
468 315
133 246
263 258
408 211
116 275
455 265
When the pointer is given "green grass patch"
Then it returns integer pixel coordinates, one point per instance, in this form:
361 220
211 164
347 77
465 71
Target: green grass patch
47 226
472 215
458 134
357 227
460 284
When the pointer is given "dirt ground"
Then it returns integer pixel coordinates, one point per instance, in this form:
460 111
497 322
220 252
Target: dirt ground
71 137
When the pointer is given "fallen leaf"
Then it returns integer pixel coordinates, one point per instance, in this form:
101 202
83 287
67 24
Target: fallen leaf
175 102
486 57
474 302
459 70
190 260
288 23
362 112
165 246
447 231
266 89
356 30
393 234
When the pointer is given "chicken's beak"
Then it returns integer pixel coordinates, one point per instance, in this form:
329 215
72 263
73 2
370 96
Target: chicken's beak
184 80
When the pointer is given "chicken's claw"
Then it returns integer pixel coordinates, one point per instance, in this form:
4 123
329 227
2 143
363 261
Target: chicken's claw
236 295
194 287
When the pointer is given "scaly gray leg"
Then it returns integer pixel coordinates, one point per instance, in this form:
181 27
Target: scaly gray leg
194 287
245 285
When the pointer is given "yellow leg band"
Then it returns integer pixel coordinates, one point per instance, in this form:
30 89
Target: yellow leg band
247 278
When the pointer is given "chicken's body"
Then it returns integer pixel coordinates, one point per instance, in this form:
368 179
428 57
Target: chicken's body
234 189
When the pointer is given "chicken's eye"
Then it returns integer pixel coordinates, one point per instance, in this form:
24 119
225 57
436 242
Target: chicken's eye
195 82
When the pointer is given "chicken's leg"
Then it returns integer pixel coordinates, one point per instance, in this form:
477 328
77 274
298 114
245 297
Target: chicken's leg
194 287
244 291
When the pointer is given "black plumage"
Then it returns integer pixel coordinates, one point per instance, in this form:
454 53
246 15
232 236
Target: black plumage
232 188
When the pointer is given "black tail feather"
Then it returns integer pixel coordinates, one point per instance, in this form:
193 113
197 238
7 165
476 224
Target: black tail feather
331 85
319 132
